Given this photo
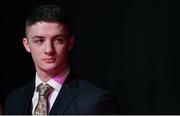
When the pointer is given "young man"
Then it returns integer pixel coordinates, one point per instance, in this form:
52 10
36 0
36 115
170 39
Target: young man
49 40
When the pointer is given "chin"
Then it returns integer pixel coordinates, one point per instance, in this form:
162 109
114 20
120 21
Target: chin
49 68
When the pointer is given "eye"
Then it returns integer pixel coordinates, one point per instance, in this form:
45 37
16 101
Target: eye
59 40
39 41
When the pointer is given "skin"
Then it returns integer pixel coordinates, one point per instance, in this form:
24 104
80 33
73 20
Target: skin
49 44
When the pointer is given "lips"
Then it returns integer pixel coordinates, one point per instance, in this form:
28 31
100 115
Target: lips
49 60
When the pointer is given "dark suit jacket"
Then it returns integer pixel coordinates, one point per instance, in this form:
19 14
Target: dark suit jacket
76 96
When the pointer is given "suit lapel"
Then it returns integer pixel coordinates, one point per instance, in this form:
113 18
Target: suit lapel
67 94
26 104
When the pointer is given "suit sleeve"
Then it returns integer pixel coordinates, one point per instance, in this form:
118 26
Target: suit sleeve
9 104
107 104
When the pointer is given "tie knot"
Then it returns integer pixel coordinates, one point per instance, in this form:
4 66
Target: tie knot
43 89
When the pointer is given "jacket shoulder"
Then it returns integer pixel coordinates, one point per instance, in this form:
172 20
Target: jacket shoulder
91 88
96 99
21 90
16 97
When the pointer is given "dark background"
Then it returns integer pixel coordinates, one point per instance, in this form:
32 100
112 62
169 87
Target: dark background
128 47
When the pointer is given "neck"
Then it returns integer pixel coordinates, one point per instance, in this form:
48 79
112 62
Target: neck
47 75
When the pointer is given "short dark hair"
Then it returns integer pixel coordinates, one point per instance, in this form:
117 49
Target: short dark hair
48 13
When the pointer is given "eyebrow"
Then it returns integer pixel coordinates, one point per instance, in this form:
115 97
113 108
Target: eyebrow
37 36
59 36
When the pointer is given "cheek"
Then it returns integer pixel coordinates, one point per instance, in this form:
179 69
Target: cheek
35 53
62 51
35 56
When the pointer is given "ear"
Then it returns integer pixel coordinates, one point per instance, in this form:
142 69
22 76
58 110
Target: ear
71 43
26 44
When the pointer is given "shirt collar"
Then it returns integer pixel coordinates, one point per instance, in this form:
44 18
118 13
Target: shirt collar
55 82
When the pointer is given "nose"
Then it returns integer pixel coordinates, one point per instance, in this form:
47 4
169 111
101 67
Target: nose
49 48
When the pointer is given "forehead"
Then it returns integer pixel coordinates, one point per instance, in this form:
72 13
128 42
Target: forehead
47 28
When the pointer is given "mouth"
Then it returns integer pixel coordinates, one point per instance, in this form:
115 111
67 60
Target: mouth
49 60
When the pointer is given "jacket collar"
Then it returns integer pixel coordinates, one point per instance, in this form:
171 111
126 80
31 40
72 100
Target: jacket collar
67 94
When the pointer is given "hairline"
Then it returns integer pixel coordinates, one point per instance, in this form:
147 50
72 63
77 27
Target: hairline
58 22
